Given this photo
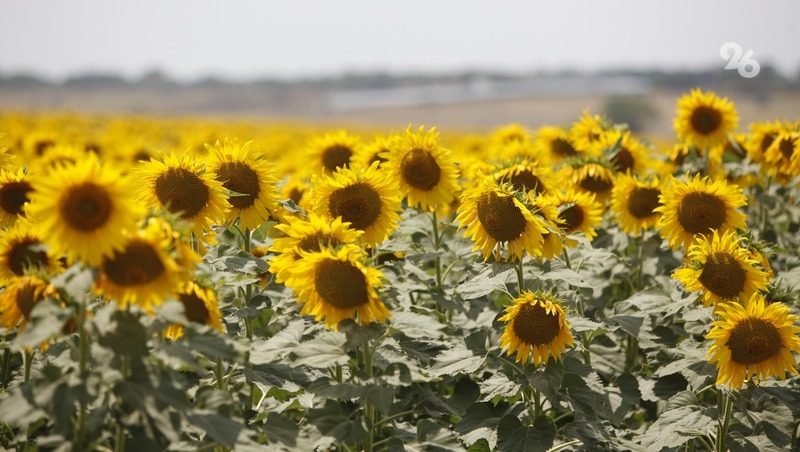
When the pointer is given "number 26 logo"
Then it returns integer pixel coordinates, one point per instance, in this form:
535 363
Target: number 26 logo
737 59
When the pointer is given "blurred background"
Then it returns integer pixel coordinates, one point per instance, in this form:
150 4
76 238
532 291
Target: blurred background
452 63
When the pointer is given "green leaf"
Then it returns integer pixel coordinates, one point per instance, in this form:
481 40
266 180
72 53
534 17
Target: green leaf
221 429
323 351
629 323
416 326
456 360
280 428
514 437
484 283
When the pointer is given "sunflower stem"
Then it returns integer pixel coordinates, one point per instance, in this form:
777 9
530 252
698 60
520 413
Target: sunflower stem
639 261
119 440
219 373
83 356
726 405
436 245
27 356
565 253
520 275
6 366
369 409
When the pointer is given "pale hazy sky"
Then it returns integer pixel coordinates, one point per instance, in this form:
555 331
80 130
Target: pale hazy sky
247 39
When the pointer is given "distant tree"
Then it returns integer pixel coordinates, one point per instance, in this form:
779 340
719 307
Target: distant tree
635 111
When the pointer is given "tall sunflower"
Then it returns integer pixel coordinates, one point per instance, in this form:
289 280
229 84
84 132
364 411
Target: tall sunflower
634 202
181 185
21 294
368 199
494 219
307 236
334 285
15 192
22 251
754 340
722 268
527 175
704 120
249 179
593 177
82 209
698 206
199 306
536 328
578 212
334 150
425 171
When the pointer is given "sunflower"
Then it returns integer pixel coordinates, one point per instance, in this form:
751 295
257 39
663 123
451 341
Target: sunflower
753 340
782 157
545 208
536 328
697 206
704 120
556 143
722 268
366 198
578 212
376 150
762 135
627 154
587 132
297 190
148 269
181 185
511 133
425 171
307 236
333 150
22 251
527 175
15 191
334 285
59 155
634 202
199 306
494 217
82 209
249 179
20 296
593 177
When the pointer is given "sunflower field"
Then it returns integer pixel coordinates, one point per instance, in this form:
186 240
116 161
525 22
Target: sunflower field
188 285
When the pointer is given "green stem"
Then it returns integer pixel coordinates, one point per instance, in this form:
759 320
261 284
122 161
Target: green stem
27 356
436 246
520 276
705 443
119 441
394 416
219 373
369 410
83 357
640 261
6 366
631 352
564 446
726 404
565 253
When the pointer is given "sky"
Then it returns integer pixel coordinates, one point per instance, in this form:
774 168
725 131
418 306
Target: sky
235 39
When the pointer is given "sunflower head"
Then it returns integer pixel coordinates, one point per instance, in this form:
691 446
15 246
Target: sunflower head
536 328
593 177
23 251
578 213
782 157
200 306
761 137
753 340
376 151
587 132
634 202
510 134
704 120
334 150
624 152
556 143
526 175
15 190
21 294
553 240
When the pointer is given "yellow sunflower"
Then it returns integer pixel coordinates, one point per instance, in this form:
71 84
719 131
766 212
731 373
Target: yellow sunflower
376 150
527 175
587 132
199 306
704 120
722 268
333 150
334 285
762 135
22 250
494 218
697 206
536 328
20 296
553 240
148 269
426 173
297 190
511 133
181 185
578 212
754 340
249 180
309 235
59 155
81 210
556 143
368 199
15 191
628 155
634 202
782 157
595 178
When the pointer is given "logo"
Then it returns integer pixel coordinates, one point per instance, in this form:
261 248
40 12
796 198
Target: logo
740 60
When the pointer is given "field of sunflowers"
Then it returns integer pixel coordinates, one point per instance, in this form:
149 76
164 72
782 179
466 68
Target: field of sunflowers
198 285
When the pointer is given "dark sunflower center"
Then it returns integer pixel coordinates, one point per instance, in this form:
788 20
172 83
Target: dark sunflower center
642 201
723 276
194 308
359 204
182 191
753 341
596 184
572 217
420 170
142 155
240 178
700 212
135 265
14 195
341 284
500 217
26 299
93 148
87 207
336 156
376 157
525 181
705 120
563 148
767 141
24 254
42 146
295 194
786 146
316 241
623 160
535 326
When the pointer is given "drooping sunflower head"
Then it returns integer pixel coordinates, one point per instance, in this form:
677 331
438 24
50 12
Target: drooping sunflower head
249 182
307 236
15 191
556 143
334 150
181 185
21 294
200 306
367 198
334 285
753 340
704 120
23 251
376 151
82 209
425 171
545 208
593 177
578 213
536 328
722 269
147 269
494 218
698 206
526 175
634 202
